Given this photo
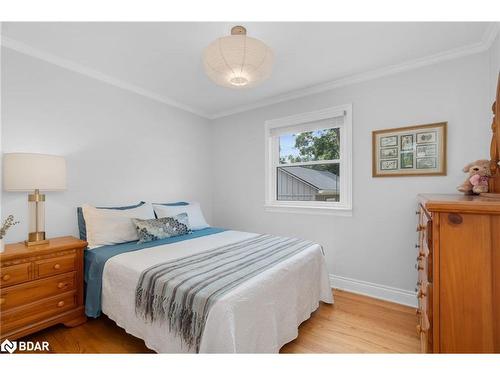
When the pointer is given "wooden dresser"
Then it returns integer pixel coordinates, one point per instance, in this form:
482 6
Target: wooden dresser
458 265
41 286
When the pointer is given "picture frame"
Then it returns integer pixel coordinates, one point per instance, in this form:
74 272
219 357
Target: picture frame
418 150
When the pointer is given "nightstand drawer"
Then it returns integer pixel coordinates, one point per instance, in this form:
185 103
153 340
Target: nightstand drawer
35 312
14 274
34 291
44 286
56 266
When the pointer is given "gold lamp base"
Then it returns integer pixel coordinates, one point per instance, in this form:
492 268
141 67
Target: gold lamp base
36 235
36 238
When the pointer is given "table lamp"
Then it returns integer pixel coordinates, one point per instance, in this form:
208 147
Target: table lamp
34 173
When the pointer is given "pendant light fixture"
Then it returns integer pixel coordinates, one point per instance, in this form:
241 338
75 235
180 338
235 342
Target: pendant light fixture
238 61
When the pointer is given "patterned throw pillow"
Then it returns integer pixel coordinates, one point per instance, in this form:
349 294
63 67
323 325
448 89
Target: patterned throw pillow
164 227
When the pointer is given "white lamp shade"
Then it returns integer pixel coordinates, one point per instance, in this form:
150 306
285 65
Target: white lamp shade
27 172
238 61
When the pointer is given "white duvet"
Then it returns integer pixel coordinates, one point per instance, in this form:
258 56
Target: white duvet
259 316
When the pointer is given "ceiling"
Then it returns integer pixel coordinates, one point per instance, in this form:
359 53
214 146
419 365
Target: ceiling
163 60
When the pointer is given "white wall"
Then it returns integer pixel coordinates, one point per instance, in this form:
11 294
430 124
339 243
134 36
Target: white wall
494 55
376 244
120 147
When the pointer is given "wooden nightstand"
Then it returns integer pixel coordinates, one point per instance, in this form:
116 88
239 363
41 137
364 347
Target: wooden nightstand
41 286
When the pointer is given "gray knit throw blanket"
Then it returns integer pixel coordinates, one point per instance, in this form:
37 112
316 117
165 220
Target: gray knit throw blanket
182 291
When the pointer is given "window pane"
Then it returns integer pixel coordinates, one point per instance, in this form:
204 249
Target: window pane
319 182
316 145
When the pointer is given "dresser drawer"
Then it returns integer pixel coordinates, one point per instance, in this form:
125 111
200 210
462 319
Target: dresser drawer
34 291
424 313
424 331
427 233
424 227
424 342
16 274
54 266
35 312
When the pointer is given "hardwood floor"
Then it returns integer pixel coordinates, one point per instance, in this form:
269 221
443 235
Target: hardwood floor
354 324
357 324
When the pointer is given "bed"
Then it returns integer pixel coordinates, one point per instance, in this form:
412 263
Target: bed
258 316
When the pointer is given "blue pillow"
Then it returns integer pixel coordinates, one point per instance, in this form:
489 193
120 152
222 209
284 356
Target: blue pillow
81 221
174 204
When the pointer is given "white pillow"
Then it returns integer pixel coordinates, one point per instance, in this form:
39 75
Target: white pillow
193 210
109 226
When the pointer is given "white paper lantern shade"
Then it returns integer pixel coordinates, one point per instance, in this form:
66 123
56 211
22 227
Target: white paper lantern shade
238 61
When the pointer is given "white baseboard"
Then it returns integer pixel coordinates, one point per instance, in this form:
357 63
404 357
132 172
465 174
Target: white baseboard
386 293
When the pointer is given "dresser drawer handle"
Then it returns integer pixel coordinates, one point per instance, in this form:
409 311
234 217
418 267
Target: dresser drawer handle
62 285
60 304
455 219
6 277
2 301
420 329
421 294
57 266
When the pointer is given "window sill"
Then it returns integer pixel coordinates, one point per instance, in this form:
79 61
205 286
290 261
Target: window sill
311 210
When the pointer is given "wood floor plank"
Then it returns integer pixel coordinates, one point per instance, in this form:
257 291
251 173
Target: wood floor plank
354 324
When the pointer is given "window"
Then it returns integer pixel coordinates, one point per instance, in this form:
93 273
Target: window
308 162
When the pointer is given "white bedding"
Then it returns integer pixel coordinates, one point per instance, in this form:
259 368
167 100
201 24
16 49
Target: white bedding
259 316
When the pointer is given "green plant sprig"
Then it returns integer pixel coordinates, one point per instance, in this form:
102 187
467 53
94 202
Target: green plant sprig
9 222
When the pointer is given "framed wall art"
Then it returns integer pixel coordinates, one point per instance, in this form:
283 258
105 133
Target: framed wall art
410 151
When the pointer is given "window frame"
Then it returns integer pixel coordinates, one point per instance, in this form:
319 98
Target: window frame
344 207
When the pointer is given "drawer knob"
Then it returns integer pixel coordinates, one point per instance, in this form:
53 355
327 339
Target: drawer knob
421 294
62 285
57 266
6 277
418 266
60 304
2 301
420 228
455 219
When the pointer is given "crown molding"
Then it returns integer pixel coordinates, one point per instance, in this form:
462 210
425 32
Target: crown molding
25 49
481 46
490 35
